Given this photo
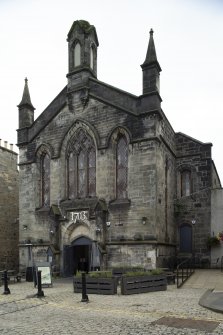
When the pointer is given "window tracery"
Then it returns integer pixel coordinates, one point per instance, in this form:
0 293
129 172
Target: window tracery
81 166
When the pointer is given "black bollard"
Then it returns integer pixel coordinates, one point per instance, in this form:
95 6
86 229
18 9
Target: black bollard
5 279
40 292
84 289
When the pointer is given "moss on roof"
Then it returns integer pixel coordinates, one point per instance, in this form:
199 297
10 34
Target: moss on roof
85 25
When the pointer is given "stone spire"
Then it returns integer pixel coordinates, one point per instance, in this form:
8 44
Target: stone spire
26 109
26 96
151 68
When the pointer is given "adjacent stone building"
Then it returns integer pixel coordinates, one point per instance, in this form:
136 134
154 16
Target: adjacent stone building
104 179
9 208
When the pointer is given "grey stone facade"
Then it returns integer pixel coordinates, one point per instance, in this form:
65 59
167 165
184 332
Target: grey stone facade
9 207
138 228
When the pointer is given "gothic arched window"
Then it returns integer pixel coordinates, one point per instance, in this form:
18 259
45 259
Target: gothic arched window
92 58
77 54
121 168
81 164
45 180
186 188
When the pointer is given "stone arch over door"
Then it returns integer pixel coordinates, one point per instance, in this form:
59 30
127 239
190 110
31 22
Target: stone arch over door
186 238
74 230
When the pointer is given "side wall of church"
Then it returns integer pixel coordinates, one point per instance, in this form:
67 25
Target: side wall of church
196 157
9 222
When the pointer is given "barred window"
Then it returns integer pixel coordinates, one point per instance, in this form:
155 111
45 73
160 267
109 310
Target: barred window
81 166
186 188
122 168
45 179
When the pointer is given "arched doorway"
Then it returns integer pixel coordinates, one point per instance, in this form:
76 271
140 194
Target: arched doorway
82 255
186 238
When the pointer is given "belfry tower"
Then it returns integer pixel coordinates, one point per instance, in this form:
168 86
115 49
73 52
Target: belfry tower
82 50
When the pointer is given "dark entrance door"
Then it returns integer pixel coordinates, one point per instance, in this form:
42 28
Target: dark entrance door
77 256
81 257
186 238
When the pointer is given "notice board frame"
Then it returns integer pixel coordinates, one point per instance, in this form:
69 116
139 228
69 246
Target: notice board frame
46 274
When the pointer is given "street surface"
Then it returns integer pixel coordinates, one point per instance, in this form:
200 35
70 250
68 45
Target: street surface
60 311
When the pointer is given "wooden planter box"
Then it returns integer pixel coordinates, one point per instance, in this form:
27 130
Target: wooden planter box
96 285
143 284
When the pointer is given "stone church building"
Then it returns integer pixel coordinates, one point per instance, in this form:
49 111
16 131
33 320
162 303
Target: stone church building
104 179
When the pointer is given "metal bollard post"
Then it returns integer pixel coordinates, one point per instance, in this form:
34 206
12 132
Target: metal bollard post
84 289
40 292
5 279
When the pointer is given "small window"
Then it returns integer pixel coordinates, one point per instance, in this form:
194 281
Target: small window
77 55
45 180
122 168
186 183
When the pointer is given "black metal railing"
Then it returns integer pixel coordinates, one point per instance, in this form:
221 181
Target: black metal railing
184 270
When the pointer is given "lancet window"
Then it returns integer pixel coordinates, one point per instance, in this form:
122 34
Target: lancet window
121 168
45 179
186 183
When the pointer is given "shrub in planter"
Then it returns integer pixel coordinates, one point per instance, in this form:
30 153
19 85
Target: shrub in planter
120 270
213 241
97 274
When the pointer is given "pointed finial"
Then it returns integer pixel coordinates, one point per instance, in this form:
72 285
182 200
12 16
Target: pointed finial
151 52
26 96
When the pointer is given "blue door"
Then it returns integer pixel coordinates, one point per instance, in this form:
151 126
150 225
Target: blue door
186 238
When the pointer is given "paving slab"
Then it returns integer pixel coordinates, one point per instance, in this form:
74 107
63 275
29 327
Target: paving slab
60 311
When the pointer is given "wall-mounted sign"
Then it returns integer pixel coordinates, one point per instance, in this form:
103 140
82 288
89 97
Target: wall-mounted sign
76 216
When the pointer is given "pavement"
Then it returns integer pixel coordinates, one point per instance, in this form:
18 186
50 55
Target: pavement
60 311
212 280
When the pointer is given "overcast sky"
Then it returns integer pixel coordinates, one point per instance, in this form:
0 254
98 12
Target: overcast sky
188 37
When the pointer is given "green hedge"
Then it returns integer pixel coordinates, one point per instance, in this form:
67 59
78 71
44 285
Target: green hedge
108 274
143 273
97 274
